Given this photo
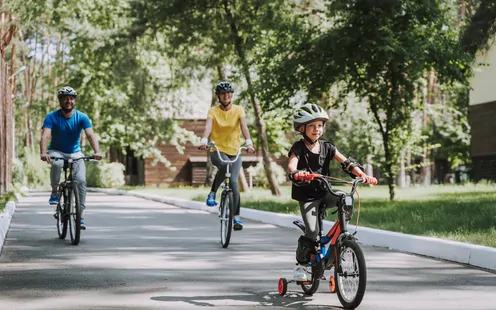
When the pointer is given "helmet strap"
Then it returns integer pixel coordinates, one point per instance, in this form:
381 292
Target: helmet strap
223 105
309 140
306 137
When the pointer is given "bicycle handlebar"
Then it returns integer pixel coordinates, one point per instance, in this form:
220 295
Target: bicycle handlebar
312 176
212 144
89 158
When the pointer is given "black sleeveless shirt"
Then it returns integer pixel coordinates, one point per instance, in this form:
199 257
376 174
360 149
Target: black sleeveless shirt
313 163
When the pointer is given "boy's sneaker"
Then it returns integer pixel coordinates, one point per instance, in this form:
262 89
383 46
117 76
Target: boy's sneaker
238 224
211 199
54 199
300 273
83 227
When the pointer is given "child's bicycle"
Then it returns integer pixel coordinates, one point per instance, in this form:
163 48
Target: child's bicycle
338 249
226 208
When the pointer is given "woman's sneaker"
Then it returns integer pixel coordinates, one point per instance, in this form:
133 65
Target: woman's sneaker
211 199
300 273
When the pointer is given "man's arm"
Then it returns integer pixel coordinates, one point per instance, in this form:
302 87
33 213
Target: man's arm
93 142
46 133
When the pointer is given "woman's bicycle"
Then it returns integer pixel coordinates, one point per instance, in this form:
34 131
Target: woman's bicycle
69 206
226 207
337 249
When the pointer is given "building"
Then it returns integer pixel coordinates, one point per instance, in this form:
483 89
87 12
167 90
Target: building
189 168
482 116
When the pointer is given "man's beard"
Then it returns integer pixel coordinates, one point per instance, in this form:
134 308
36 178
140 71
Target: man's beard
67 110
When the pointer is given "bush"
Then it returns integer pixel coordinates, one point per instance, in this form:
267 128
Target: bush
36 172
260 177
18 173
107 175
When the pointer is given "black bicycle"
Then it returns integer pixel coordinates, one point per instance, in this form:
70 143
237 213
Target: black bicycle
226 208
69 206
337 249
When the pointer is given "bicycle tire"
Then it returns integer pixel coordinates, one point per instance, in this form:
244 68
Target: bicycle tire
62 218
310 289
340 276
226 218
74 215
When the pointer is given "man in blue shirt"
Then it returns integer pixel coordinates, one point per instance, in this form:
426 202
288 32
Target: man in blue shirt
64 126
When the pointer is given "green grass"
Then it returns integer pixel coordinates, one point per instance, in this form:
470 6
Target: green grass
5 198
463 213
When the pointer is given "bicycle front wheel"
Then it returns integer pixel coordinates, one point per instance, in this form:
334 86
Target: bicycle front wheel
62 216
74 215
226 218
350 275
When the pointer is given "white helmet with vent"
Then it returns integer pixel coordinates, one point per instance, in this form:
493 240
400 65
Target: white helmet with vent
308 113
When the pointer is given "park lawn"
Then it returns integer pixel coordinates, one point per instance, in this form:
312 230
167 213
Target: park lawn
5 198
463 213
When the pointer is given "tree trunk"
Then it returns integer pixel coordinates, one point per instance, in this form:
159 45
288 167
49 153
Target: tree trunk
274 187
211 169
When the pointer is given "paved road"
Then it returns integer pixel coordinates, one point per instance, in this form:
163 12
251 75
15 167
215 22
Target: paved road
139 254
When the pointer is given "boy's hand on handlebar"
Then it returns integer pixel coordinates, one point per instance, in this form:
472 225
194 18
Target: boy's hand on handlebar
300 176
250 149
368 179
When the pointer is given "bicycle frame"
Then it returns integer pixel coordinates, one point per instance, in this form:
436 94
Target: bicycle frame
339 230
228 162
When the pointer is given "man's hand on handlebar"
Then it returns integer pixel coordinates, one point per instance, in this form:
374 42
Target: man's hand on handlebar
250 149
46 157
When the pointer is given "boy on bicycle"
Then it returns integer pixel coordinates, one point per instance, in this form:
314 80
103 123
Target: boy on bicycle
312 155
224 124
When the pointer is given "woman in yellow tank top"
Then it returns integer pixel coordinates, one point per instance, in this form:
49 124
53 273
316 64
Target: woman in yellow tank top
224 124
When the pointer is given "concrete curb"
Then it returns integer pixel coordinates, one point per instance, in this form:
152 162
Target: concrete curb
5 219
465 253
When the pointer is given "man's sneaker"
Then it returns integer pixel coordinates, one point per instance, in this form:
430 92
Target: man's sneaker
54 199
211 199
83 227
238 224
300 273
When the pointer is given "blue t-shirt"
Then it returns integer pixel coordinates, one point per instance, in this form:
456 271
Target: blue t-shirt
66 132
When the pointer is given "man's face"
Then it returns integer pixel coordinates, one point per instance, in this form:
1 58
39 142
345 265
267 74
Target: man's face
225 98
67 103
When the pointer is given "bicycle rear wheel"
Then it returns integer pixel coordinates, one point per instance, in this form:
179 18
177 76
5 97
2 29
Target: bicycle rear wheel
74 215
310 287
226 218
62 218
350 275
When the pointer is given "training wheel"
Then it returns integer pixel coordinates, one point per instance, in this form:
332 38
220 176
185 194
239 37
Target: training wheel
332 285
282 287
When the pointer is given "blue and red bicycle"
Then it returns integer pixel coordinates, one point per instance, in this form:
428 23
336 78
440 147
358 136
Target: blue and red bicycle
338 250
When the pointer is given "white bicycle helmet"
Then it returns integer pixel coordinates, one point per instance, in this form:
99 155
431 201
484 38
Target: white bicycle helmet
308 113
66 91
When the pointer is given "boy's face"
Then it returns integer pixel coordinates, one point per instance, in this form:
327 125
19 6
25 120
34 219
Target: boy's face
313 130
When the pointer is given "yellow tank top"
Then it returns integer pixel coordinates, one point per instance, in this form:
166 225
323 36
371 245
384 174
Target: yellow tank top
226 128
